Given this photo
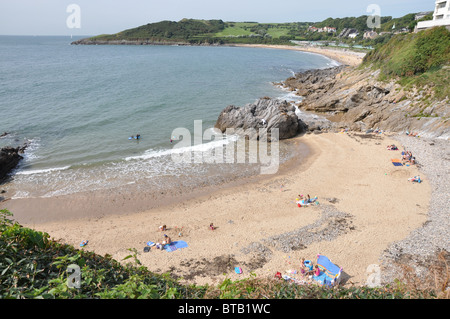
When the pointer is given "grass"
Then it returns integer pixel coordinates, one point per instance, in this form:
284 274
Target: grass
416 60
233 31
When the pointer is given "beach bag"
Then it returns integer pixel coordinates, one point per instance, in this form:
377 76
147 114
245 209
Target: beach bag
238 270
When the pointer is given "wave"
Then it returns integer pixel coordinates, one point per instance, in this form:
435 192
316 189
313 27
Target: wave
203 147
42 171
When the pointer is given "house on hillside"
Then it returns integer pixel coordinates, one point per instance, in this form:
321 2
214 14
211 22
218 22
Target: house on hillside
441 16
421 15
348 33
370 35
324 29
353 34
329 29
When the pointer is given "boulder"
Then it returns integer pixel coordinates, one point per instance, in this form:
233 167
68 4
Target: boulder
9 158
265 114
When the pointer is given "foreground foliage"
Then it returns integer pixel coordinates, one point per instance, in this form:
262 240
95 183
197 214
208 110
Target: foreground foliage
34 266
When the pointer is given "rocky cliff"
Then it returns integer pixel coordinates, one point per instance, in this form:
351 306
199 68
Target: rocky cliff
353 98
343 97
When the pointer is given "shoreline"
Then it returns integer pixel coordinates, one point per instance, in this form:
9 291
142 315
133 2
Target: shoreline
367 211
342 56
345 57
257 222
129 199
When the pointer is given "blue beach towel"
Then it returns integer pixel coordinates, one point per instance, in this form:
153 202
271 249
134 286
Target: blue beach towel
175 245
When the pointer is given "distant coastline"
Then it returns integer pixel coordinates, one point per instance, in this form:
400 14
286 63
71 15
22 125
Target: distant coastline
343 56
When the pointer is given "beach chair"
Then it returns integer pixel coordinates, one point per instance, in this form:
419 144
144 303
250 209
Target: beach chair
330 274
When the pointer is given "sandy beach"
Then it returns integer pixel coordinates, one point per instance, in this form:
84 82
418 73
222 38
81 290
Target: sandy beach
343 56
365 204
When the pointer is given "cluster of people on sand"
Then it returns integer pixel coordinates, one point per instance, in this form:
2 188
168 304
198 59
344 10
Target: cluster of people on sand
412 134
407 157
164 241
305 201
415 179
392 147
304 276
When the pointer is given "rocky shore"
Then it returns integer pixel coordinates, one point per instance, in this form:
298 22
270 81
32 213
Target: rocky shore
344 97
9 158
354 99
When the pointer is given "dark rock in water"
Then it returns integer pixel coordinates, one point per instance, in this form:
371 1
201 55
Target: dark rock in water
265 114
9 158
4 134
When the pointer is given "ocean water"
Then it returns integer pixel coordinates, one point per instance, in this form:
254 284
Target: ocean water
77 106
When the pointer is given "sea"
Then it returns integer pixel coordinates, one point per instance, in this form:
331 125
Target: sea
77 106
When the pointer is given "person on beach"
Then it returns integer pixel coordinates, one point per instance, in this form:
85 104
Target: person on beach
211 226
317 271
167 240
163 228
392 147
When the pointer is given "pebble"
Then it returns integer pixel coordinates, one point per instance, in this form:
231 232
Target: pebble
423 244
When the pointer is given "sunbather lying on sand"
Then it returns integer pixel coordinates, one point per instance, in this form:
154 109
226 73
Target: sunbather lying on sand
392 147
415 179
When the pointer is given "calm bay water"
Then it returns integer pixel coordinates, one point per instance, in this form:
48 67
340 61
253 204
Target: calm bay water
77 106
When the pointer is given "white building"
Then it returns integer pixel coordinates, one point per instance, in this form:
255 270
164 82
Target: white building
441 16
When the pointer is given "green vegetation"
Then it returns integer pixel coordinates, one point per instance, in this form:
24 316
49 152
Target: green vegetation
203 31
194 31
34 266
416 59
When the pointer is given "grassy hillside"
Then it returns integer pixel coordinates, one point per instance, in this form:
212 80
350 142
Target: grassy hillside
416 59
201 31
34 266
194 31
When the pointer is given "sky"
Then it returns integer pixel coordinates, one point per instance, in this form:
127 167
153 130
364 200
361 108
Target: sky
93 17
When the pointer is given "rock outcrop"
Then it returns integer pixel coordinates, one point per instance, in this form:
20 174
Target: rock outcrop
353 98
9 158
265 114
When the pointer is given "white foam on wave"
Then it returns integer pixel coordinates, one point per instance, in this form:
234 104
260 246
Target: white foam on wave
42 171
30 151
203 147
21 194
